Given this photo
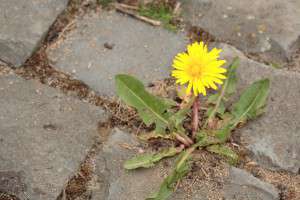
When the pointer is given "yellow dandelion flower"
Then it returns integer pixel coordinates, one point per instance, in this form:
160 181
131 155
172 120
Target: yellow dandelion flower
199 68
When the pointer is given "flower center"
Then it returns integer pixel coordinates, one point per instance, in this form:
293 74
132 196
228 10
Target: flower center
195 69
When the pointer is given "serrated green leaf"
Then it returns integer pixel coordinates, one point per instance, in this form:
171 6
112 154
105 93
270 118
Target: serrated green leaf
205 138
168 185
144 160
150 108
250 105
224 133
228 88
220 110
148 160
252 102
168 102
224 151
201 135
177 118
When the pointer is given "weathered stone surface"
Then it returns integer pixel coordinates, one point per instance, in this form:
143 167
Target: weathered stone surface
274 138
23 24
132 47
44 135
242 185
123 184
270 28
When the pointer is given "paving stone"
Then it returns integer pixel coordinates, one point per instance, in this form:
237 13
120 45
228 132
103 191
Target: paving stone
23 24
269 28
233 184
122 184
132 47
44 135
273 138
242 185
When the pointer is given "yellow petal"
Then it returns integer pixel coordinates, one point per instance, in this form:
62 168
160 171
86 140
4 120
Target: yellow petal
199 68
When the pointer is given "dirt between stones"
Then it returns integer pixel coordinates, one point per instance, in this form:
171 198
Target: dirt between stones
212 170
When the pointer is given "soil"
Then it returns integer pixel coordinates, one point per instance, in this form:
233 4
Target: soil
207 169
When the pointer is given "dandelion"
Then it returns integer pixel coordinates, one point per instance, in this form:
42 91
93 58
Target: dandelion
199 68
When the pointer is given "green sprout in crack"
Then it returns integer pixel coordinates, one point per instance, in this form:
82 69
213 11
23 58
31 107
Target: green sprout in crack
105 3
199 69
159 12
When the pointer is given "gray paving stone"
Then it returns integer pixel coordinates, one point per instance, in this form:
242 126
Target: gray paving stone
274 138
23 24
44 135
122 184
270 28
242 185
137 48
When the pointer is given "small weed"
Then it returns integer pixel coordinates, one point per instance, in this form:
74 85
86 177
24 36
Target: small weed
159 12
105 3
276 65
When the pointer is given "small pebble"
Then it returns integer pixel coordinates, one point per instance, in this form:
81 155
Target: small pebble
109 46
89 65
250 17
140 150
50 127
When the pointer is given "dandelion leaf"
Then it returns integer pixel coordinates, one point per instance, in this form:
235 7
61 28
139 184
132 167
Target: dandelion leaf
229 88
224 151
250 105
168 185
149 160
252 102
150 108
178 118
224 133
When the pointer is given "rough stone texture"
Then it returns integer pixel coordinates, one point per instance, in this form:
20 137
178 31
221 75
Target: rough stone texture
44 135
137 48
242 185
122 184
274 138
23 24
270 28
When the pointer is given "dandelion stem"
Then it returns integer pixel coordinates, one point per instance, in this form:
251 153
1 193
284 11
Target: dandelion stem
195 116
184 140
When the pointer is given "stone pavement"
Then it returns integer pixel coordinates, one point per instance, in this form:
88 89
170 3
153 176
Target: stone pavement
23 24
274 138
45 135
136 48
270 29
